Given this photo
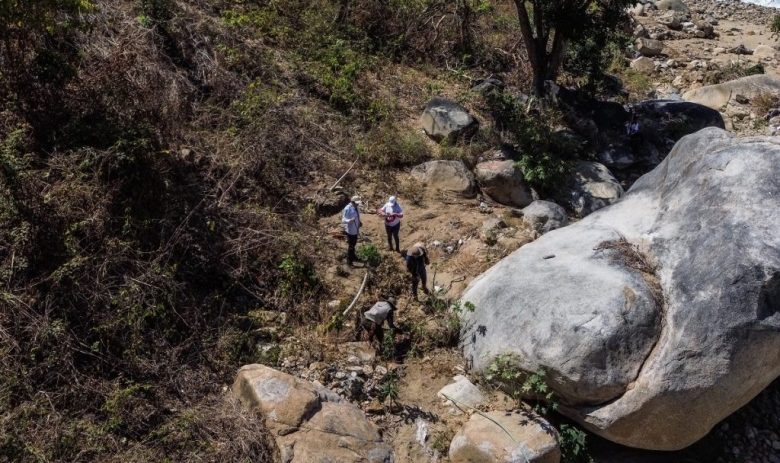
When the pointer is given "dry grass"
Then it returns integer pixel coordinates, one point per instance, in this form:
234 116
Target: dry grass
765 102
628 255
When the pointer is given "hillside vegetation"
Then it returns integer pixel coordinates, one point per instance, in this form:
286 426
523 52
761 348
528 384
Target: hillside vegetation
158 161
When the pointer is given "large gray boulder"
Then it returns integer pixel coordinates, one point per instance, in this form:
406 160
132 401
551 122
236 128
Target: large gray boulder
719 95
590 187
443 119
658 316
503 181
451 176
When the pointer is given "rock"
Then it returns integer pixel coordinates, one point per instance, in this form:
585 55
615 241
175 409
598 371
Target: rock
284 400
498 154
361 350
637 10
717 96
705 27
545 216
679 81
651 330
643 64
672 19
487 86
664 122
617 157
338 432
446 175
640 31
462 393
444 119
482 440
492 225
674 5
327 203
649 47
741 50
764 52
591 187
503 181
310 423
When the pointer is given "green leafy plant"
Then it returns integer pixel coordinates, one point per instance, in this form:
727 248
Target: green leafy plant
389 388
527 125
369 254
388 345
505 373
574 445
298 276
774 26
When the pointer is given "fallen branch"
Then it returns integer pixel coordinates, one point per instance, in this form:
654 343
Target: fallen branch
345 173
360 291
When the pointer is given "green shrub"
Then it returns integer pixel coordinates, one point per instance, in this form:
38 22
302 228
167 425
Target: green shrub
298 277
545 159
389 388
774 26
574 445
369 254
734 71
335 68
636 83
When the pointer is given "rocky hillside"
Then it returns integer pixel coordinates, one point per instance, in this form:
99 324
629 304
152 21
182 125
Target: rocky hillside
172 278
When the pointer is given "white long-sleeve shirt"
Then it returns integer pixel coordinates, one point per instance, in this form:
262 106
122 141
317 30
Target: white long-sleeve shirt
351 220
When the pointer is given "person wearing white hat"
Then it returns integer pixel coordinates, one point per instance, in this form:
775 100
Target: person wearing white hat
392 213
351 221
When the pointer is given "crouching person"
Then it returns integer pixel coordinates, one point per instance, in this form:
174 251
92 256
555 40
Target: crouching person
376 316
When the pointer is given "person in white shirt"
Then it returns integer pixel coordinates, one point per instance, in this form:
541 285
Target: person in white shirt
351 221
392 213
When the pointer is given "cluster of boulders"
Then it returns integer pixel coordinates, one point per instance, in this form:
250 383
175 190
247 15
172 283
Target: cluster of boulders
658 21
309 422
498 177
658 316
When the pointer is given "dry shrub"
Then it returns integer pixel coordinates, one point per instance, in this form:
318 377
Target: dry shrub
765 102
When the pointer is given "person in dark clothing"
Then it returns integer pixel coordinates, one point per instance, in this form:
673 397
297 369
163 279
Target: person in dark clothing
416 260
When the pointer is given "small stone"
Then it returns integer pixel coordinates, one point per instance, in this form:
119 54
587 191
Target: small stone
643 64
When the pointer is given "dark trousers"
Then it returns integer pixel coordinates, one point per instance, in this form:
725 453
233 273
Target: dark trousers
421 275
351 243
392 234
376 331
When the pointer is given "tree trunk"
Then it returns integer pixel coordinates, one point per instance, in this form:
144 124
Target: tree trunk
341 16
536 37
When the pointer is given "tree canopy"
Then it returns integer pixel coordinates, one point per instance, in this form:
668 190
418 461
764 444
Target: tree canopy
548 27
